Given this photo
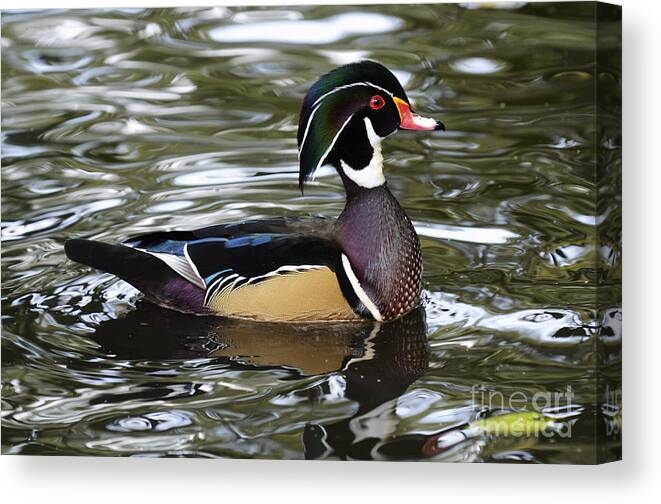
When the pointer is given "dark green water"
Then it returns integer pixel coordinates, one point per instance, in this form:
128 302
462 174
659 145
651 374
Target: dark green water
117 122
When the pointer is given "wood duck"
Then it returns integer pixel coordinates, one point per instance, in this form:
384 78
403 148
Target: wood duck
366 264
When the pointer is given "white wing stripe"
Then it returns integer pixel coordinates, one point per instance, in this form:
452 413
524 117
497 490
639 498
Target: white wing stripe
215 286
219 287
286 269
179 265
192 264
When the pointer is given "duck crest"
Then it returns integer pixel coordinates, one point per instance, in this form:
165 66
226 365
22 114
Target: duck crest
384 250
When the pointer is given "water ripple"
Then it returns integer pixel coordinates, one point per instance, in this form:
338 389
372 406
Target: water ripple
121 121
295 31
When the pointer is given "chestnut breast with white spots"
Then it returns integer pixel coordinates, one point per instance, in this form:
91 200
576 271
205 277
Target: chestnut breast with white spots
404 294
384 250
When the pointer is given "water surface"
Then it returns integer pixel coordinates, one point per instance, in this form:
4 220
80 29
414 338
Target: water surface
121 121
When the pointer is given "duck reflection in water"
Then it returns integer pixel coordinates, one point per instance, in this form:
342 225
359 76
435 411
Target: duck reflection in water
376 362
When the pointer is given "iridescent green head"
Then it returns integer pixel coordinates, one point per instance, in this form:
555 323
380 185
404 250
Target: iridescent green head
362 100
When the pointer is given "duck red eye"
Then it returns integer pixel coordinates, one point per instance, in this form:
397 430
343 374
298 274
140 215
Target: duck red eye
377 102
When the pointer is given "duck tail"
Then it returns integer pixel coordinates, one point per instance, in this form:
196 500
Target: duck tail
154 278
127 263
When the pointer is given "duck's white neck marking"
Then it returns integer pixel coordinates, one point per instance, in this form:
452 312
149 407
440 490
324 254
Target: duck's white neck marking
372 175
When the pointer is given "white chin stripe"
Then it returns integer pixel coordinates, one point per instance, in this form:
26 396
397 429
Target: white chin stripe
360 292
372 175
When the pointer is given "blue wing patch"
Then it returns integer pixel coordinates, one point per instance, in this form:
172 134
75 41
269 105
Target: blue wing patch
209 279
241 241
164 247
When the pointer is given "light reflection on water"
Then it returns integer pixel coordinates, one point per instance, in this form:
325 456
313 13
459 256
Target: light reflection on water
300 31
120 121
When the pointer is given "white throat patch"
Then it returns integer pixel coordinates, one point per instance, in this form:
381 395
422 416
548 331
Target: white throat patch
372 175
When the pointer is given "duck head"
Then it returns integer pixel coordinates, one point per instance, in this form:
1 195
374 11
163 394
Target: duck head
345 116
